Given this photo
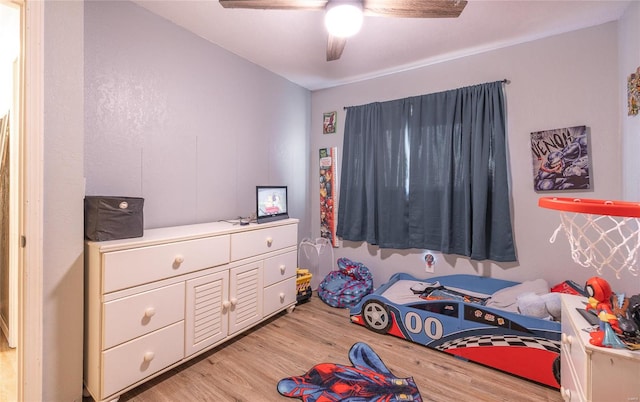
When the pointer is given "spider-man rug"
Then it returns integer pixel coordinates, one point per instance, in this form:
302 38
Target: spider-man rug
368 380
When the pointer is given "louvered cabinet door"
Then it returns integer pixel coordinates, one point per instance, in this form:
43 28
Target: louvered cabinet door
245 295
207 311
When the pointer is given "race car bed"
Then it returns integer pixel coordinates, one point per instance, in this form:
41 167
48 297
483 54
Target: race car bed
453 314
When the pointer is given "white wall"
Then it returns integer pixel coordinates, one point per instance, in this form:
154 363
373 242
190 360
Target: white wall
629 32
561 81
185 124
62 280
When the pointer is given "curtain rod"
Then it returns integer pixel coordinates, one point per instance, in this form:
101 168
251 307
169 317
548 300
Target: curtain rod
505 81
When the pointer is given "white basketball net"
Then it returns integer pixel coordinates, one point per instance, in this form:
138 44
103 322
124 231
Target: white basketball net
601 241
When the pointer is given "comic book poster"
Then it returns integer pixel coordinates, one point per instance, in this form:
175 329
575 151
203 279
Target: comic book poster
328 194
633 93
329 121
560 159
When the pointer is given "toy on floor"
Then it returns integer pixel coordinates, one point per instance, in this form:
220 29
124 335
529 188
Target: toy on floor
346 286
600 295
367 380
303 285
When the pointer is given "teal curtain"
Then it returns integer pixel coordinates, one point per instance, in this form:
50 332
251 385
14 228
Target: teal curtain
429 172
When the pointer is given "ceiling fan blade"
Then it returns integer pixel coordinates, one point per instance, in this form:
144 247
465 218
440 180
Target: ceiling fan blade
276 4
414 8
335 46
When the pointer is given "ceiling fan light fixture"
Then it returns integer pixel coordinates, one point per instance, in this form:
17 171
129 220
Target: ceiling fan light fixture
343 19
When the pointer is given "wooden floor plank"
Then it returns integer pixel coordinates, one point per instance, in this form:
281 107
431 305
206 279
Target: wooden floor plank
248 368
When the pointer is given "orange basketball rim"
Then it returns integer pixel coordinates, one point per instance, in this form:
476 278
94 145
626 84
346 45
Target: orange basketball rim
601 233
592 206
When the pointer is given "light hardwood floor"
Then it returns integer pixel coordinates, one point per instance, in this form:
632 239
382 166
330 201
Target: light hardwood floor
249 367
8 370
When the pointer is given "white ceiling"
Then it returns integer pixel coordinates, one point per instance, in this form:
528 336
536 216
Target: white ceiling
293 43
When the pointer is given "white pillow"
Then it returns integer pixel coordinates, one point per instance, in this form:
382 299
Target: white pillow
507 298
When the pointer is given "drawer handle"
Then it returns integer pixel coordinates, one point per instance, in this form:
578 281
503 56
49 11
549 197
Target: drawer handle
149 356
150 312
269 241
567 339
283 269
565 393
226 304
178 260
234 301
282 296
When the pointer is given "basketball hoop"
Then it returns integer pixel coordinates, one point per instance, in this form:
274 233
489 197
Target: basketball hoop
601 233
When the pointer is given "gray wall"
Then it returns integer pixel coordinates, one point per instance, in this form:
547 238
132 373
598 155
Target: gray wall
629 50
561 81
136 106
185 124
62 279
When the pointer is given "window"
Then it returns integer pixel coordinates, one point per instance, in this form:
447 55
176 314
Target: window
429 172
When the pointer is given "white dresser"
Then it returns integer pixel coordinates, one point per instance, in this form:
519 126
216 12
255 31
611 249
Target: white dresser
593 373
154 302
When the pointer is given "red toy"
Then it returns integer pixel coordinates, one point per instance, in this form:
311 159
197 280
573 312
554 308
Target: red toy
600 294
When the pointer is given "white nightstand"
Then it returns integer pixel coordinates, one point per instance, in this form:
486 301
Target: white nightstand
593 373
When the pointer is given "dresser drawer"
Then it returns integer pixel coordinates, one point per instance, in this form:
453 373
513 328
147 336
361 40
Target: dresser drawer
617 378
133 316
279 295
573 356
575 352
260 241
124 269
280 267
142 357
570 390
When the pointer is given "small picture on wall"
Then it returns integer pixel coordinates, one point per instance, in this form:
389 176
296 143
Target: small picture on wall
329 122
560 159
633 92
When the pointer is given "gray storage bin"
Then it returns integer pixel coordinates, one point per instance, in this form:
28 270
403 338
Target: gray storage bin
111 218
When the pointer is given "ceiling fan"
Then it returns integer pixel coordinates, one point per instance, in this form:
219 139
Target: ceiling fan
383 8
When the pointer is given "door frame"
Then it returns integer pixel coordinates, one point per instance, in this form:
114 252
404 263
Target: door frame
30 320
